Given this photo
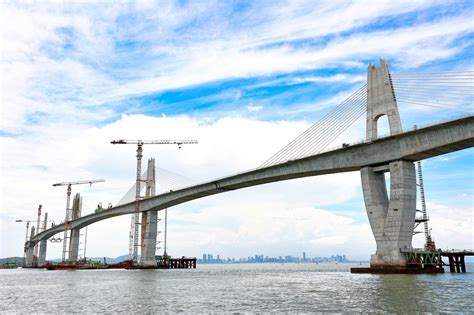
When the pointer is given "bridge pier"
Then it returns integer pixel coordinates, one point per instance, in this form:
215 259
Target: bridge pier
75 233
42 253
391 219
148 249
29 250
149 222
43 244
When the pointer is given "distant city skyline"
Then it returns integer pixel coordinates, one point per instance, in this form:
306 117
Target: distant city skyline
259 258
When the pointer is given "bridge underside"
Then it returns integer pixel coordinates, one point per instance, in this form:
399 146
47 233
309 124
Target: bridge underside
406 147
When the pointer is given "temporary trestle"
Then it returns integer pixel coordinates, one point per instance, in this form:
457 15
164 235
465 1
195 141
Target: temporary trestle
456 262
182 263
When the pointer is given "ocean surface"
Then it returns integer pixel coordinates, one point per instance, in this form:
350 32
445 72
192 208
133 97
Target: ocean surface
325 287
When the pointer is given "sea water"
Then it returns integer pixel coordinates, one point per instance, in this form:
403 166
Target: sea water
270 287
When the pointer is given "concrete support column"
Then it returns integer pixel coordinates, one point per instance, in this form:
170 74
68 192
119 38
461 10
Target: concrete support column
42 253
391 219
43 244
149 222
149 240
29 250
75 233
74 245
29 256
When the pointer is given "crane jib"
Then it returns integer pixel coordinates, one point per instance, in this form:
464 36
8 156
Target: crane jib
141 142
92 181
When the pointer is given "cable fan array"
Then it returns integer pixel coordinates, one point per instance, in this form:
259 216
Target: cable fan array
316 138
448 90
164 178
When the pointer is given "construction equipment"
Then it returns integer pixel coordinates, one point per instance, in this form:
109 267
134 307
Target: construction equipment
68 214
429 242
133 249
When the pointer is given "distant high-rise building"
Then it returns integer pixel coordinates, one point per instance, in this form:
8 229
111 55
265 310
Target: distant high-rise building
204 257
304 256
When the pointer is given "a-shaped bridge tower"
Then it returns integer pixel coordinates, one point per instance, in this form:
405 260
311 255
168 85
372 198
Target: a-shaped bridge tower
391 219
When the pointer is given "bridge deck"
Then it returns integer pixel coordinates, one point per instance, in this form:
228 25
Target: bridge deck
414 145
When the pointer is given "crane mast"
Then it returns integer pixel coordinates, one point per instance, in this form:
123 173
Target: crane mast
429 243
68 211
134 226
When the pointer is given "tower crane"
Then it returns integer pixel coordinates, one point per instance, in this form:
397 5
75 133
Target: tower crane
133 236
429 243
66 220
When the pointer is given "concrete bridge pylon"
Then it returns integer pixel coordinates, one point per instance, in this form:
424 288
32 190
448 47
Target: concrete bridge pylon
75 233
381 101
149 221
391 216
43 244
29 250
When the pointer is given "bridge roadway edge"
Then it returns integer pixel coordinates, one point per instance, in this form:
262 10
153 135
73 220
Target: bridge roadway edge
413 145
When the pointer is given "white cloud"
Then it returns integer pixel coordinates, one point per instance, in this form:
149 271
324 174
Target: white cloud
253 108
66 61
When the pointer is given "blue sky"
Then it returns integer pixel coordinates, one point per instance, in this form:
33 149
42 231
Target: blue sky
243 77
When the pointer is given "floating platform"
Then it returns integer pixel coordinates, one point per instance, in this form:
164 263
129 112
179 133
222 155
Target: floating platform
417 262
420 261
170 263
393 270
88 265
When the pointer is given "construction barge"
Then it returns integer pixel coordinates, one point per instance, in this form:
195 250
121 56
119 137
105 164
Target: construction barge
420 261
170 263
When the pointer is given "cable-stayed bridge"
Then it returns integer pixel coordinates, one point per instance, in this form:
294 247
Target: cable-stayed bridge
391 215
